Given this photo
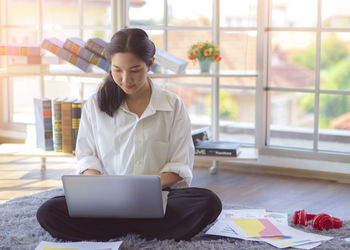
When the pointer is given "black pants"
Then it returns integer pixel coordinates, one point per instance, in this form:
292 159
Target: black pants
188 211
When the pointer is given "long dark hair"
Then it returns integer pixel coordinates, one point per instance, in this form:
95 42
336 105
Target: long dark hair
136 41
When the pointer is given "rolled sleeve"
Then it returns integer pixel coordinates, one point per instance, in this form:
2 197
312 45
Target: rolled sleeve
181 149
86 147
182 170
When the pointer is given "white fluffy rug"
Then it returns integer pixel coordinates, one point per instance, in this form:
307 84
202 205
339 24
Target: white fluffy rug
19 229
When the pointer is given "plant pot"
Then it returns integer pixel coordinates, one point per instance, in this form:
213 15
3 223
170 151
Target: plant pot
205 65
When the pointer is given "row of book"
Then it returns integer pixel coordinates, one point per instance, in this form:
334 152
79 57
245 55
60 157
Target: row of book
206 147
79 53
82 55
57 123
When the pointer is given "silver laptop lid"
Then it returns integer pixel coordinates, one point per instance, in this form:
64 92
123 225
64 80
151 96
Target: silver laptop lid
114 196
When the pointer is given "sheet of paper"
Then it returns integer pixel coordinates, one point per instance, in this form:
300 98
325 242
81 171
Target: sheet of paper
259 228
83 245
294 238
241 213
308 245
279 217
221 228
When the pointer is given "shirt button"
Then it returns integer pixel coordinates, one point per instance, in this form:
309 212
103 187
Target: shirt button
138 141
138 162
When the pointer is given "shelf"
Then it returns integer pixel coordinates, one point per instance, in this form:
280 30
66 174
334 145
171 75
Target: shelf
247 154
69 70
23 150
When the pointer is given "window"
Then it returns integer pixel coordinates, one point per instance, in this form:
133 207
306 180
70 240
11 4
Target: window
308 75
175 28
300 102
84 19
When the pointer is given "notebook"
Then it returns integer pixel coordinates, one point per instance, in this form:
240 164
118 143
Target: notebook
114 196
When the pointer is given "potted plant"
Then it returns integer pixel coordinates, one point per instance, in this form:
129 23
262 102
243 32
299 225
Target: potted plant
206 53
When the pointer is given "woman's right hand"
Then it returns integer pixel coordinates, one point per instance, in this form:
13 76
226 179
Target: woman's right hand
91 172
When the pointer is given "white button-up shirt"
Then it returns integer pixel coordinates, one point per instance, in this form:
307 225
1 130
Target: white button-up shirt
125 144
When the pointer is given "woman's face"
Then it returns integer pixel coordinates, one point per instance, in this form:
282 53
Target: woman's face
129 72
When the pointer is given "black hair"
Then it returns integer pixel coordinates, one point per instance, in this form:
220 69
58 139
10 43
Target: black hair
132 40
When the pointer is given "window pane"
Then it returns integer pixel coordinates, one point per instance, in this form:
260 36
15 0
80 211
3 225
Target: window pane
187 38
96 12
61 12
146 12
237 13
335 61
291 119
241 81
24 89
334 123
100 33
336 13
238 50
293 59
156 37
190 13
296 13
16 36
62 87
196 102
237 115
61 34
22 12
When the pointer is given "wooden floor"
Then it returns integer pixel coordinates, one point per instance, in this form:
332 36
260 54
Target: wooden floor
22 176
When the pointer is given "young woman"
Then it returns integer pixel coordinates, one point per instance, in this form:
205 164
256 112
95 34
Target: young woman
133 127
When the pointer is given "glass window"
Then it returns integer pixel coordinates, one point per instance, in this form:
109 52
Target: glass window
334 123
238 50
96 13
22 12
292 60
146 12
190 13
237 115
24 90
336 13
237 13
291 119
335 61
61 12
296 13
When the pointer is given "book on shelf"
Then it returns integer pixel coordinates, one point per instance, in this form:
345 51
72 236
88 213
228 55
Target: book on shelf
200 134
20 49
217 148
74 59
55 46
76 114
43 123
66 113
52 44
169 61
57 114
77 46
98 46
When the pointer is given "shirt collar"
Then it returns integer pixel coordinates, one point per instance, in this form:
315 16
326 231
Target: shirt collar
159 100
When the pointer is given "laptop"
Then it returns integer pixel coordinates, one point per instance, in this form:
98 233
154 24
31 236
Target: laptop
114 196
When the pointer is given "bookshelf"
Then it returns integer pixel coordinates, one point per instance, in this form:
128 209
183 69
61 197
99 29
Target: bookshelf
69 70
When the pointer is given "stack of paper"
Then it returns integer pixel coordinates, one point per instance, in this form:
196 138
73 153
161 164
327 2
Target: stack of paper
82 245
259 225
